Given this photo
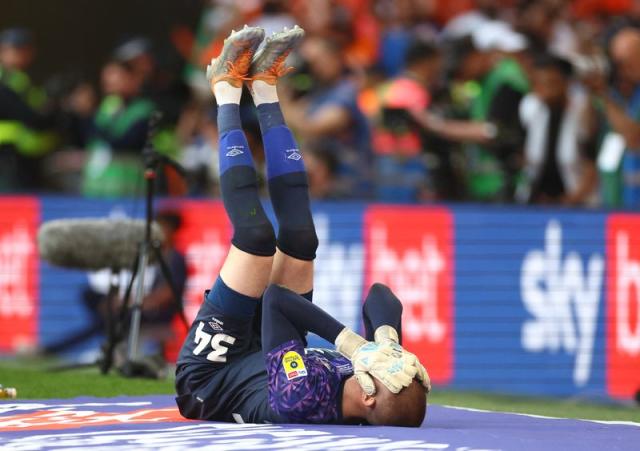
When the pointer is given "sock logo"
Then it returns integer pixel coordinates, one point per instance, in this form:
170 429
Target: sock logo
234 151
293 154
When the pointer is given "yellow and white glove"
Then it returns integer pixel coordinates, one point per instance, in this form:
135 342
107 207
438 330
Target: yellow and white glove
386 336
383 361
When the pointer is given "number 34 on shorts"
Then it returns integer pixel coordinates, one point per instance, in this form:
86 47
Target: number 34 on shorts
219 350
293 365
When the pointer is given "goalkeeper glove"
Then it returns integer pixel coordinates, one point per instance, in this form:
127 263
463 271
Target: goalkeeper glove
382 361
387 336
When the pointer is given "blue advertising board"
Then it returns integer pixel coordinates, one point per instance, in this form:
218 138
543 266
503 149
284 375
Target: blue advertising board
529 301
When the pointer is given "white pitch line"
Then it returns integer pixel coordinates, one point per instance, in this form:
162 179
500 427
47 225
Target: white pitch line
612 422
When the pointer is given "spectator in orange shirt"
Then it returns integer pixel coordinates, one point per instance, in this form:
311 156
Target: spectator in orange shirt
400 170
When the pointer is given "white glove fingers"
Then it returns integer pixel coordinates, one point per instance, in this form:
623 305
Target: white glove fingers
385 333
410 370
366 382
423 376
389 382
405 379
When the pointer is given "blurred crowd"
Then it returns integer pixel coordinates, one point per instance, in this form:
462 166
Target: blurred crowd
499 101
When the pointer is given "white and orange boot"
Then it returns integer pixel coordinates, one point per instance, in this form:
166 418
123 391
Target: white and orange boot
234 62
269 62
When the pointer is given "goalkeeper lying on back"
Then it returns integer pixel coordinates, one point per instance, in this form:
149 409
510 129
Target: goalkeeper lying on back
244 359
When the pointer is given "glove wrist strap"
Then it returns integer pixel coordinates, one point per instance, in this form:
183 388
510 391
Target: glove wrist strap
348 342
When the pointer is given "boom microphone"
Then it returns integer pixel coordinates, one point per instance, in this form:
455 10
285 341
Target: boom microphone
93 244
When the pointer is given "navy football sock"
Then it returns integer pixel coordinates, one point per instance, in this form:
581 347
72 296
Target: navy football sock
288 185
229 118
253 233
269 116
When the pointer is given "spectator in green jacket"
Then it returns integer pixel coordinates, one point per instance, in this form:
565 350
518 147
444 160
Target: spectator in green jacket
120 128
495 59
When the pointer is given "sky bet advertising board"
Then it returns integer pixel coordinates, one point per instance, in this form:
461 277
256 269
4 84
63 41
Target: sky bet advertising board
530 302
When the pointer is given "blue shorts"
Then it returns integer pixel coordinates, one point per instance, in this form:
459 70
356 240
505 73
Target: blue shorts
220 373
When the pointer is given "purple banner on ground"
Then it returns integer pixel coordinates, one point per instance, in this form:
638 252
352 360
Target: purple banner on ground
153 422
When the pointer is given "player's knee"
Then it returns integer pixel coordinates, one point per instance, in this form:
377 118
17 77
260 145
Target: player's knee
258 239
273 295
301 243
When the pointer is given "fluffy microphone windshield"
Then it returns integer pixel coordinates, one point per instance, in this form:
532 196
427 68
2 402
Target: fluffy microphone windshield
93 244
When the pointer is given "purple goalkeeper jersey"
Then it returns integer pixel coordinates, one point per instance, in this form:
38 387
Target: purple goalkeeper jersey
305 385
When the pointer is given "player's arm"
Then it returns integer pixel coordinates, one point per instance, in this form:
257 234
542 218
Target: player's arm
285 314
298 388
382 315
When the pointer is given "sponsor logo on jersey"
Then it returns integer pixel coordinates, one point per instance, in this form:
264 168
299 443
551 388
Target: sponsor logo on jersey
293 365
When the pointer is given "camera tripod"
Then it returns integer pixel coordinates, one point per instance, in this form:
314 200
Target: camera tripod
130 314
